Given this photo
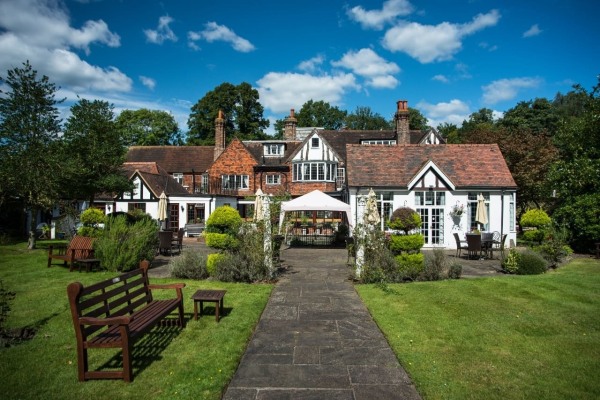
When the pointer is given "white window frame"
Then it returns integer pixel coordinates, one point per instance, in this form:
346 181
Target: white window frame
273 149
178 176
234 182
274 179
314 171
386 142
314 142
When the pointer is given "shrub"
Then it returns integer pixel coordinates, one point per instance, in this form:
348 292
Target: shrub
535 218
91 220
222 241
224 219
406 243
580 215
434 266
190 265
455 271
212 261
379 263
531 263
121 245
555 249
534 235
404 219
410 266
511 262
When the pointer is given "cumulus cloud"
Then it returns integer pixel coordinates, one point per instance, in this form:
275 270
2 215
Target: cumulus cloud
375 69
162 33
453 112
280 91
312 64
148 82
40 31
533 31
507 89
429 43
214 32
376 19
440 78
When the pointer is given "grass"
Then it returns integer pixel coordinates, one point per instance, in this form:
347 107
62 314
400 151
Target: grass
510 337
196 362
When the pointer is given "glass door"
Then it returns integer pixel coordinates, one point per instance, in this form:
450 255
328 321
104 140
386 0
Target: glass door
430 206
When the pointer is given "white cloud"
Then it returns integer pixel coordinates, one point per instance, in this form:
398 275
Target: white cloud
376 19
312 64
280 92
214 32
429 43
162 33
440 78
453 112
368 64
507 89
533 31
148 82
40 31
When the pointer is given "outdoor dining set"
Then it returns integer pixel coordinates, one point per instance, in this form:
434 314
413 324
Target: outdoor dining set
480 245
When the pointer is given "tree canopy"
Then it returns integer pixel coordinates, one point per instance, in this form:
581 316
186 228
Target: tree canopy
320 114
243 114
30 157
145 127
363 118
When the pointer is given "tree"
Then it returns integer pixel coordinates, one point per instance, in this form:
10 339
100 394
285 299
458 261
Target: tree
145 127
95 149
364 119
320 114
416 120
30 164
243 114
538 116
450 132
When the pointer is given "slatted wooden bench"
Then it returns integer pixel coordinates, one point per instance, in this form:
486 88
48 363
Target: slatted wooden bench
80 247
115 313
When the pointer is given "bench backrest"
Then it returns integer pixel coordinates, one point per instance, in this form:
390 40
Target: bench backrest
82 245
114 297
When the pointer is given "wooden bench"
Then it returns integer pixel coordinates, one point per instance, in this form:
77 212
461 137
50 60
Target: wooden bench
115 313
80 247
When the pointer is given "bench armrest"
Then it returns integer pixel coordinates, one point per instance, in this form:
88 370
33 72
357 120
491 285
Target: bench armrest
120 320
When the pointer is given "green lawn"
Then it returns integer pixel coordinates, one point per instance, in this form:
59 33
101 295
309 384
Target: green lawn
510 337
196 362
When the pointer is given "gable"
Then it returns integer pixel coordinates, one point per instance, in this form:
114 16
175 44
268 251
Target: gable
430 176
316 148
235 159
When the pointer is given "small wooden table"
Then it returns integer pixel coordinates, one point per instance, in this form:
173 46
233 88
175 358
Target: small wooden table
88 263
215 296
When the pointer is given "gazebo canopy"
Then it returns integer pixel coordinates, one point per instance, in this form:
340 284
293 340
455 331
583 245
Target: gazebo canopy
315 201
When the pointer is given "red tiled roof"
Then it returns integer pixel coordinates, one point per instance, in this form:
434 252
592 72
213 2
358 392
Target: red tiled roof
466 165
157 179
256 149
174 158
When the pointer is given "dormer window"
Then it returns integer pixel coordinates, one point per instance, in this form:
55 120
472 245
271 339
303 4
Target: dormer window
178 176
314 142
274 149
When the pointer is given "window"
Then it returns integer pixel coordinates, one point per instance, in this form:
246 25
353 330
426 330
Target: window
430 198
314 171
273 179
511 212
314 142
384 142
274 149
341 177
136 206
178 176
473 210
203 184
234 181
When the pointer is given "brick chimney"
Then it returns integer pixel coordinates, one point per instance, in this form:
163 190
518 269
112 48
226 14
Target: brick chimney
401 118
289 130
219 134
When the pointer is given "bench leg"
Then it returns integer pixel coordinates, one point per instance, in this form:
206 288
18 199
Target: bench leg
82 363
181 317
127 367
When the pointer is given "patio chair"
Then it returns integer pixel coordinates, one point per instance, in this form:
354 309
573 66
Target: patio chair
500 243
165 242
474 246
460 245
178 239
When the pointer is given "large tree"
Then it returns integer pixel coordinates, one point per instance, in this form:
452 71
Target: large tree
30 156
363 118
242 111
146 127
538 116
416 120
96 152
320 114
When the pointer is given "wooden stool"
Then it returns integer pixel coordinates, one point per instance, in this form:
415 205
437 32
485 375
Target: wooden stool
215 296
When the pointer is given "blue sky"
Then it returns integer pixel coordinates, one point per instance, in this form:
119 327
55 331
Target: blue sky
447 58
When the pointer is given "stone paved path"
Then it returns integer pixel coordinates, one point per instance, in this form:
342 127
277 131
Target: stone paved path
316 339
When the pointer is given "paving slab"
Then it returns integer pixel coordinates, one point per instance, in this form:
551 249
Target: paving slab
317 340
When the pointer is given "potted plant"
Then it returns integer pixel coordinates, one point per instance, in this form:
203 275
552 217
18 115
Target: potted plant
457 210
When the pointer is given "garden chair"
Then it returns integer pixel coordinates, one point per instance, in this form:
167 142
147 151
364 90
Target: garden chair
165 242
460 245
474 246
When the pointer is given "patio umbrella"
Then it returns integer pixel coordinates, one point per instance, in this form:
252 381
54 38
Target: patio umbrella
481 212
258 206
371 215
162 207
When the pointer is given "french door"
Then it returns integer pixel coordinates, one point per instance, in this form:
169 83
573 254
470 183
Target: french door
431 205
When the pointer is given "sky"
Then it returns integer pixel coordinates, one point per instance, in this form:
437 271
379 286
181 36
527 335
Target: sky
448 59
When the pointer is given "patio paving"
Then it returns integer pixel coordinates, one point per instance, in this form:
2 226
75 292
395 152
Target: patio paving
316 339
